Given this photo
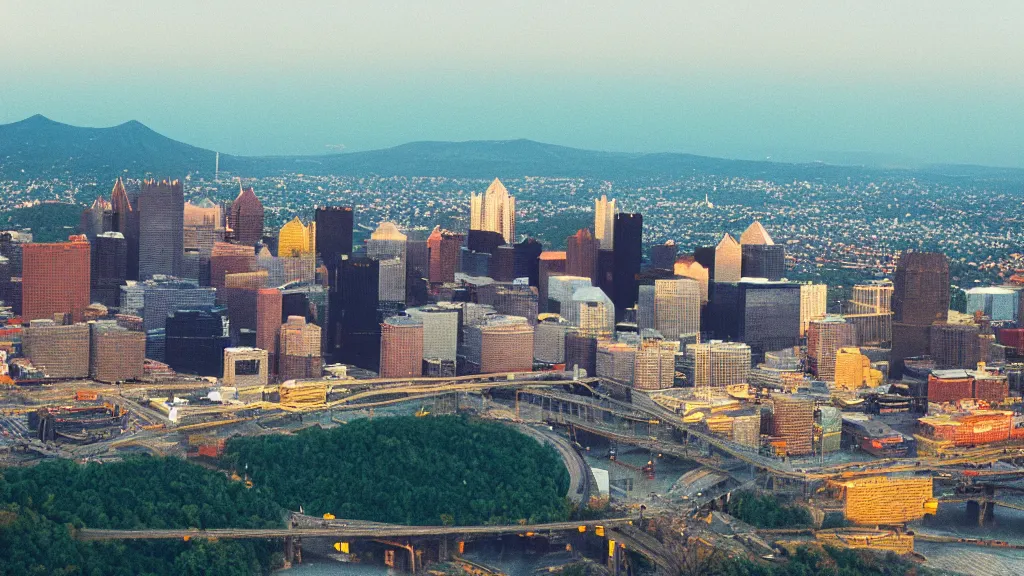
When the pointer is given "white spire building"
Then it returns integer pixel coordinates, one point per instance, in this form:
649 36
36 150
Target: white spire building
494 211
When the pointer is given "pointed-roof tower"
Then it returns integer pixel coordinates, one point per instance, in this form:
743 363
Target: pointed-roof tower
756 234
728 260
246 218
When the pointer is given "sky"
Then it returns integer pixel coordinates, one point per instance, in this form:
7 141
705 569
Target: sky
893 81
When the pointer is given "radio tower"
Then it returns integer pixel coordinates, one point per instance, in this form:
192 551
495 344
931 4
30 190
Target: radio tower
216 167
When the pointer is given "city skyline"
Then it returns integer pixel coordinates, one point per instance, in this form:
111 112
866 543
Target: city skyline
894 85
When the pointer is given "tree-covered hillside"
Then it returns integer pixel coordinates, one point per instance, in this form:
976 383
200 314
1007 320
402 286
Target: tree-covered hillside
411 471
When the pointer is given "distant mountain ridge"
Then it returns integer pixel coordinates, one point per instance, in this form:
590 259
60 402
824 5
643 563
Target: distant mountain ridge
38 147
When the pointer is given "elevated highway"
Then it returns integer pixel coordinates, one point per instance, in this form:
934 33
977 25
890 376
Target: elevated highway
342 529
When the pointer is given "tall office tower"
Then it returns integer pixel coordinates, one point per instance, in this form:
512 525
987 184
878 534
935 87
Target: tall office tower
161 228
500 344
440 331
246 217
920 297
503 262
285 270
295 239
663 256
560 291
627 254
334 225
239 296
474 264
196 339
300 352
645 307
269 308
870 310
604 222
55 279
824 338
999 304
606 270
117 354
655 364
391 282
494 211
549 264
511 299
616 361
688 267
954 345
108 267
813 299
593 312
60 351
443 246
677 309
580 351
125 219
728 260
793 422
716 364
763 261
581 255
354 326
853 370
765 315
527 261
401 347
97 218
387 242
203 226
10 289
154 299
230 259
549 339
484 241
417 267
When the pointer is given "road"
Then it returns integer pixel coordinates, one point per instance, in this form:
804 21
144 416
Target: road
579 471
353 529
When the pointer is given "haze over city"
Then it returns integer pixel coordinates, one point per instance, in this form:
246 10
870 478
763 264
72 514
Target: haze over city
892 84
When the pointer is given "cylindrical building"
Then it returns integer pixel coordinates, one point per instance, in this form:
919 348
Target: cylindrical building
401 347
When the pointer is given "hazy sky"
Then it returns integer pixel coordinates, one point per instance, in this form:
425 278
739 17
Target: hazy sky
928 80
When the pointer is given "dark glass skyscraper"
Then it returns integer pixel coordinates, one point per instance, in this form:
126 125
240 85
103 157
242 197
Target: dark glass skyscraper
109 267
764 315
920 297
161 228
354 323
527 264
663 256
763 261
628 253
196 340
333 233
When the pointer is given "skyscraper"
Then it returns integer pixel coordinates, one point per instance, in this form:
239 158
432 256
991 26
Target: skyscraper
920 297
60 351
196 339
125 219
494 211
161 228
765 315
55 279
354 325
604 222
655 364
663 256
334 226
824 338
812 304
677 308
116 354
269 307
109 267
628 253
300 353
500 344
581 255
549 264
440 331
443 247
527 260
387 241
97 218
716 364
761 257
728 260
401 347
295 239
246 217
230 259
